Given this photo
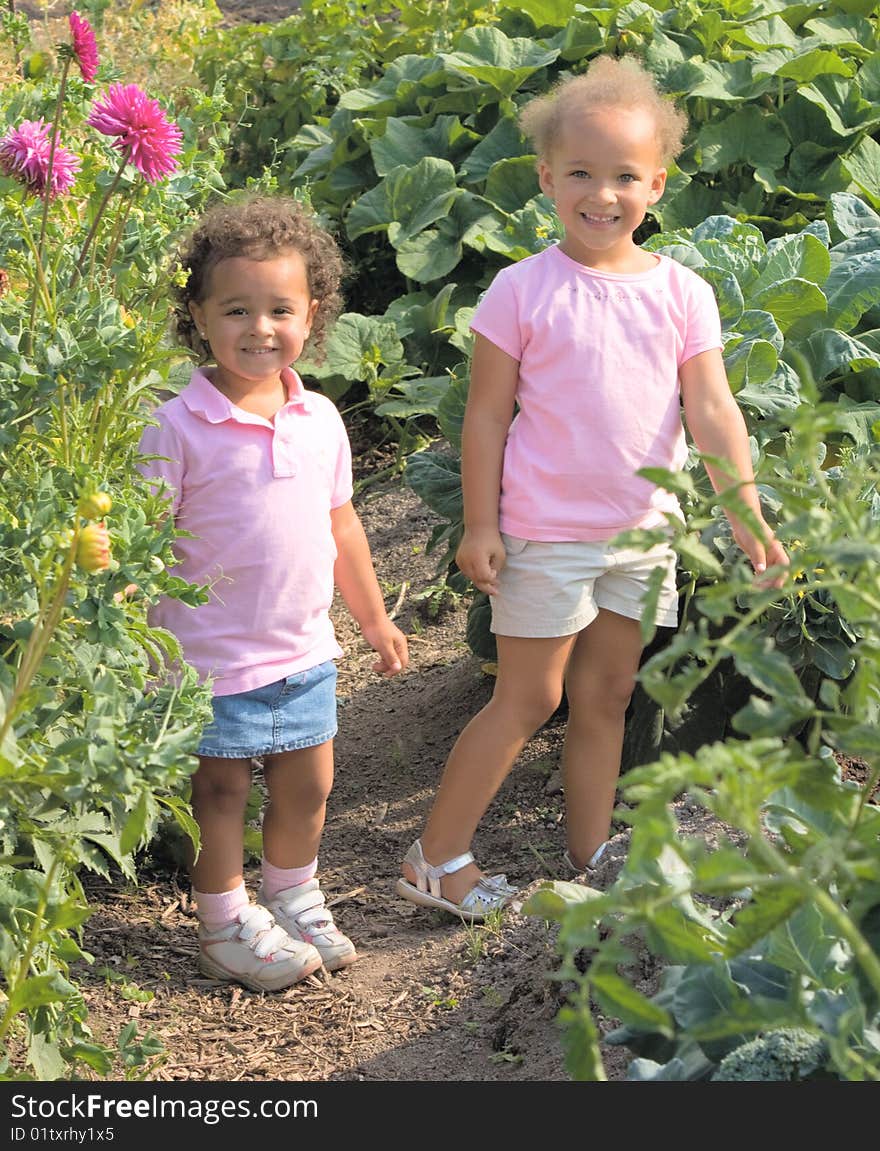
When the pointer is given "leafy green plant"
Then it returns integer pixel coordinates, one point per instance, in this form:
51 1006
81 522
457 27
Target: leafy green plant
95 742
777 926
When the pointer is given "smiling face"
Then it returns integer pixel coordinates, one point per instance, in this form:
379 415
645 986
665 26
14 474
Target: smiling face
256 316
603 173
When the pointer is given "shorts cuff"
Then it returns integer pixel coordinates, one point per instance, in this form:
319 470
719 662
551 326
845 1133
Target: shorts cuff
666 616
542 629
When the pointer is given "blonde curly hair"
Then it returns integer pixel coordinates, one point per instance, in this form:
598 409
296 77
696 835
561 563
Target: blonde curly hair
258 227
607 83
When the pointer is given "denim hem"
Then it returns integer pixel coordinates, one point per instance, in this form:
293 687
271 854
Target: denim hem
297 745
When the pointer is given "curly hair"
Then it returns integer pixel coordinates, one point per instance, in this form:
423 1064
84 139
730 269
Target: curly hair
607 83
258 227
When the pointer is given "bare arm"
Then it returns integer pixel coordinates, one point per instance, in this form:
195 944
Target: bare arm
494 376
356 579
717 426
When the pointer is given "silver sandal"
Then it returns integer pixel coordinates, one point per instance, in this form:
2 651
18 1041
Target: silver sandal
591 864
489 893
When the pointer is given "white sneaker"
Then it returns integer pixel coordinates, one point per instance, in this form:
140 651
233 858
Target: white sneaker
302 913
254 951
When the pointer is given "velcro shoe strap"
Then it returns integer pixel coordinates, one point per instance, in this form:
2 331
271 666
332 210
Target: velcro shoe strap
435 874
306 901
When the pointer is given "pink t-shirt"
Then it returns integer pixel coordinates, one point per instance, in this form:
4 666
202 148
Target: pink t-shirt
256 495
598 390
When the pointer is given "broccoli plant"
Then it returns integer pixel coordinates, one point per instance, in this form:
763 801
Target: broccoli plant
784 1055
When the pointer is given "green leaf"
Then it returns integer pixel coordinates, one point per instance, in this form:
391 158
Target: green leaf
794 300
134 829
437 480
406 202
750 363
863 164
678 937
801 256
46 1059
401 77
406 141
415 397
359 344
511 184
434 253
748 135
620 999
768 669
703 993
852 288
767 910
504 142
38 991
774 396
849 215
807 944
831 352
492 58
696 557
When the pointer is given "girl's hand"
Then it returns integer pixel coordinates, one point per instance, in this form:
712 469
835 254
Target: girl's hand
481 557
389 642
763 554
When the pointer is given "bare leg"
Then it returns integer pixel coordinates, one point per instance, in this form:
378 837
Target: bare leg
527 692
599 682
299 783
220 790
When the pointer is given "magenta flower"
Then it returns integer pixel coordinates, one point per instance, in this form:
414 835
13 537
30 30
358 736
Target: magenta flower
24 154
85 47
144 133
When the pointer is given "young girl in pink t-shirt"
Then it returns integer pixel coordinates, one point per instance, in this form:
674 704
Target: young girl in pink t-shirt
259 474
599 344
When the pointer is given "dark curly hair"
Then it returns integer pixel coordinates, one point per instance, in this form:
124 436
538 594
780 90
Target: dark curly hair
257 227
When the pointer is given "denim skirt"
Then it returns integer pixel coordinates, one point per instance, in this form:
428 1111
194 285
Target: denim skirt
296 712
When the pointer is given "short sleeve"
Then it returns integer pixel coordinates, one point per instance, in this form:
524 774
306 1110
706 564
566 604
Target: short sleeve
162 450
497 316
703 331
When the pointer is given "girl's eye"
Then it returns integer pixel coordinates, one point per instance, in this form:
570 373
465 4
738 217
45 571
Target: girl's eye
580 174
236 312
628 178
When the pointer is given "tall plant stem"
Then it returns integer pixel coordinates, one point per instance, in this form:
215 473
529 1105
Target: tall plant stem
26 958
40 278
40 636
102 207
47 191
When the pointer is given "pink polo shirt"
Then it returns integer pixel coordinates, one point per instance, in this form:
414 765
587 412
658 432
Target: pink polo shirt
256 495
598 390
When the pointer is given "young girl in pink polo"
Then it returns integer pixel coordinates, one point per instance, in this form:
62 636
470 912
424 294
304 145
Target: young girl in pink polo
259 474
599 343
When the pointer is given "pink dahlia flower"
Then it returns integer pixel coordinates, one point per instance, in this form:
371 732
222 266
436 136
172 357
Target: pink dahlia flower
85 47
144 133
24 154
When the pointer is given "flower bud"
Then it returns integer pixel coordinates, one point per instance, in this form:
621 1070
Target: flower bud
95 506
93 549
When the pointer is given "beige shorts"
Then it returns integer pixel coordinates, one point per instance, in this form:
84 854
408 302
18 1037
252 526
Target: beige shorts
555 589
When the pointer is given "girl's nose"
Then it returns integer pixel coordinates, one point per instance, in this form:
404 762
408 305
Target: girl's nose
261 322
